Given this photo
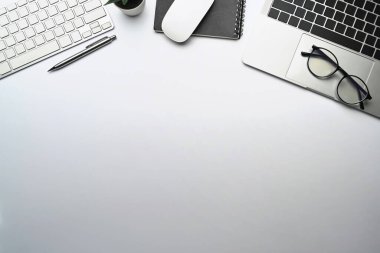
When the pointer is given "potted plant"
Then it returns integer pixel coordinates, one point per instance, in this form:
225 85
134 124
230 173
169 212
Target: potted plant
129 7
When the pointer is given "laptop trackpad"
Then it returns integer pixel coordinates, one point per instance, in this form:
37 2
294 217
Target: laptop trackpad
354 65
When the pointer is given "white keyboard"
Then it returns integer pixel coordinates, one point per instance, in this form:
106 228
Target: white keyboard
32 30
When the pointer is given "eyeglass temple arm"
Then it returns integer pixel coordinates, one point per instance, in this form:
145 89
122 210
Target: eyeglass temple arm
322 55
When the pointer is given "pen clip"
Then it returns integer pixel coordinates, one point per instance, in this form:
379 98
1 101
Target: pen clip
97 42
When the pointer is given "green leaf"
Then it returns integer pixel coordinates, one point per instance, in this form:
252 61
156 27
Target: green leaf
112 1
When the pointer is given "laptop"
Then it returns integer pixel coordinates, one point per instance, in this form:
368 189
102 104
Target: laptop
289 36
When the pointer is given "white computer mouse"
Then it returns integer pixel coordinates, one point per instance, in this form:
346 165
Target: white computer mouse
183 17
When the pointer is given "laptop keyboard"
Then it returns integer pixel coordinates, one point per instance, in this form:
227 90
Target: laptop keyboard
354 24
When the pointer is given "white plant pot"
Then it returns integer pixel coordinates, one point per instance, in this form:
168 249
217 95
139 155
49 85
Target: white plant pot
135 11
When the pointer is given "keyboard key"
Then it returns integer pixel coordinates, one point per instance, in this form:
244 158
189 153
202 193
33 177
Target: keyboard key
68 27
12 28
11 7
2 57
359 3
42 15
330 24
39 40
59 19
2 45
320 20
340 28
10 53
20 48
62 6
34 54
49 23
96 30
59 31
300 12
72 3
294 21
371 18
43 3
350 32
52 10
377 32
49 35
65 41
13 16
360 36
10 41
370 40
94 15
78 22
360 13
4 20
310 16
22 24
367 50
4 68
29 44
75 36
3 11
86 34
350 10
79 10
329 12
20 36
359 24
53 1
273 13
22 3
336 38
69 15
377 10
309 5
106 25
377 55
95 24
319 8
32 7
39 28
3 32
305 25
32 19
89 6
339 16
341 6
23 11
284 17
349 20
369 28
29 32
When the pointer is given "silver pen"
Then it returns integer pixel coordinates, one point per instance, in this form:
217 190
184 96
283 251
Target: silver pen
88 50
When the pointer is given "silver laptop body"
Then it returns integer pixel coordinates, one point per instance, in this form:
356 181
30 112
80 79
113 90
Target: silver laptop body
275 46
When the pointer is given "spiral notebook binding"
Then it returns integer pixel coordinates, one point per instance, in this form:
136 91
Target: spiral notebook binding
239 20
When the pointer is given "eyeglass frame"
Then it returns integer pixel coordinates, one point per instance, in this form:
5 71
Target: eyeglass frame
345 75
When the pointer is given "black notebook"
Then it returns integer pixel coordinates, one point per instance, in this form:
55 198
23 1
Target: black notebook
223 20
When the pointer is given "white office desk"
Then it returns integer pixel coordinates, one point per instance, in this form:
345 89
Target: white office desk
146 146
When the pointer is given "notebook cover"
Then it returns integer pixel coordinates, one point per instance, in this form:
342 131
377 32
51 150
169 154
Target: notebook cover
223 20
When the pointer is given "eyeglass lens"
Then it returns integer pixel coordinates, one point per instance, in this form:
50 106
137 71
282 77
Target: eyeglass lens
352 90
322 63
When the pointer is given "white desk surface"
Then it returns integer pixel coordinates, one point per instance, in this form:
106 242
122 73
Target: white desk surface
147 146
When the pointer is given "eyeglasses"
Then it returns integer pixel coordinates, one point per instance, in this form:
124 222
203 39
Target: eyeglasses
323 64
